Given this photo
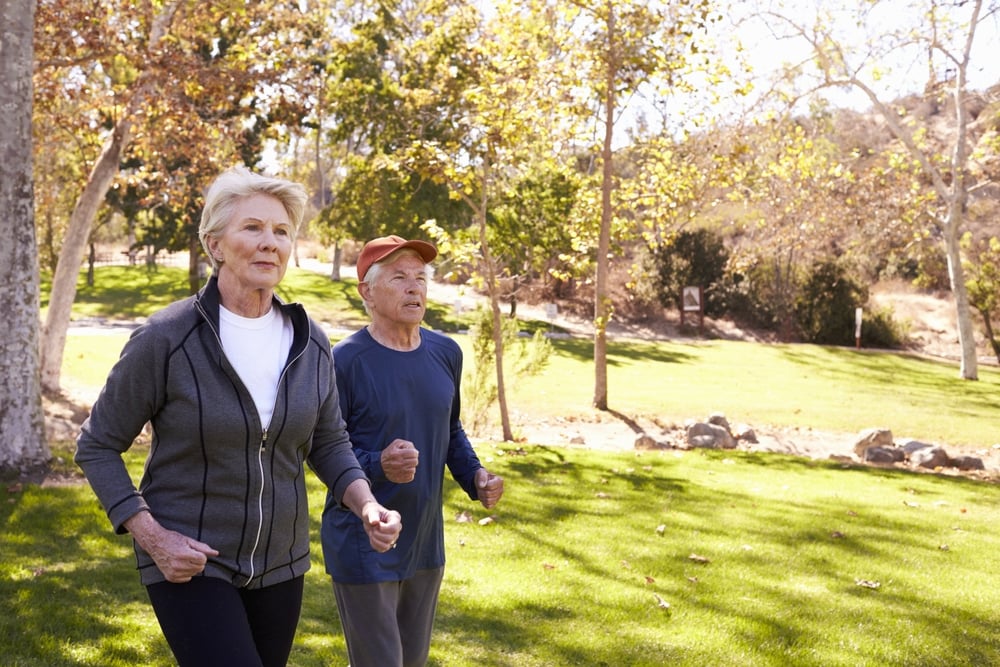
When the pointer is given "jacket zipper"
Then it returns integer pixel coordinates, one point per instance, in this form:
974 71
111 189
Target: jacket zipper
260 450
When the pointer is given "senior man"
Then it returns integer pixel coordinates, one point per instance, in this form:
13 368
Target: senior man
399 386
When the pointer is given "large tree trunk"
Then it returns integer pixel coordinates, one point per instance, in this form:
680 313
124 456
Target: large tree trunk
969 369
22 421
71 255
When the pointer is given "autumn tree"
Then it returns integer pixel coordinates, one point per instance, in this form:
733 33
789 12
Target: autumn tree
23 444
180 90
945 35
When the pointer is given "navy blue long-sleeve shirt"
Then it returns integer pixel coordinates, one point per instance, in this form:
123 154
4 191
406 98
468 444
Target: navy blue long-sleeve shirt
387 394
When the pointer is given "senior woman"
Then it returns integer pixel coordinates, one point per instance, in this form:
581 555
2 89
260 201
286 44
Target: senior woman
240 390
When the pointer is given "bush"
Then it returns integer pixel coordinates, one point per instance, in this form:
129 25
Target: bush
746 293
825 307
522 356
690 258
880 329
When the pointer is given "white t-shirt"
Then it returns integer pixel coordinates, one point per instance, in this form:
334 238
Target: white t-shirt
257 347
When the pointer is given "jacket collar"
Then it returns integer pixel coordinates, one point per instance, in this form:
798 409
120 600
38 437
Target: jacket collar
209 301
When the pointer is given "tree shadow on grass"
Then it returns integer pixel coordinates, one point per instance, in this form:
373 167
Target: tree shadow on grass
70 594
620 352
591 516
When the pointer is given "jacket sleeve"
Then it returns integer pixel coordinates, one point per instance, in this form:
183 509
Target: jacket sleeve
332 456
127 402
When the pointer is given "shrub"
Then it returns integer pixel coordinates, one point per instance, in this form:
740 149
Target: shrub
690 257
522 356
880 329
825 307
746 293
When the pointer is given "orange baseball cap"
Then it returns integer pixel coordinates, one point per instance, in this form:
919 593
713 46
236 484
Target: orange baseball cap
380 248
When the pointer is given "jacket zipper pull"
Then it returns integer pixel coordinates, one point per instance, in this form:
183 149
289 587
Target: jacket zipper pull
263 440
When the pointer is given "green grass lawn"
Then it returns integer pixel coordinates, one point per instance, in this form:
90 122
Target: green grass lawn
595 558
604 558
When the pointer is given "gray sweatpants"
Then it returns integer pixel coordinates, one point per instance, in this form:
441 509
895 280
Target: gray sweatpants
389 624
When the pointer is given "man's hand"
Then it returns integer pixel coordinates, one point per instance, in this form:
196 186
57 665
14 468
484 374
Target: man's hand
178 556
489 487
399 461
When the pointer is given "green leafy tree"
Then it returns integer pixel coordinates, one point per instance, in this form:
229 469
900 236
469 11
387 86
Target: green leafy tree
506 128
392 80
983 284
529 226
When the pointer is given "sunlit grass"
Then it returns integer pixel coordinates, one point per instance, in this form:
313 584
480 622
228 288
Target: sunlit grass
595 558
599 558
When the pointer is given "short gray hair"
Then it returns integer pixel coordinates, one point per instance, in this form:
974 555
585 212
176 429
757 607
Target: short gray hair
239 183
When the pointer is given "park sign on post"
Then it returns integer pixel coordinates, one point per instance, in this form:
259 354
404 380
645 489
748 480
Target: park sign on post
691 302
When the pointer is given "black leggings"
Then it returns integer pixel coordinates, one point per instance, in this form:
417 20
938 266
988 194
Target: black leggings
210 622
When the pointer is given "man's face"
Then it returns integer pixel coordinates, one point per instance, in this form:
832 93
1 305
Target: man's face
399 296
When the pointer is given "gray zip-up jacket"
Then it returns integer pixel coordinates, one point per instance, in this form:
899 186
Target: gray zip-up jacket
212 471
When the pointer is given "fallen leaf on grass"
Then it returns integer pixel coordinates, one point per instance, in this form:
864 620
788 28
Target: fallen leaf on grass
487 521
15 488
661 603
465 516
836 534
548 566
602 495
650 580
867 583
699 559
661 529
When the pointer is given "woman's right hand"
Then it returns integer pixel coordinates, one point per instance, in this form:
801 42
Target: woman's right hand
178 556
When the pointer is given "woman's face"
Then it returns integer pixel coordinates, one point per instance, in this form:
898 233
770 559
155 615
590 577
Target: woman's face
255 244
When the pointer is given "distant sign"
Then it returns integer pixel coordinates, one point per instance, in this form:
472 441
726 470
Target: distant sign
691 299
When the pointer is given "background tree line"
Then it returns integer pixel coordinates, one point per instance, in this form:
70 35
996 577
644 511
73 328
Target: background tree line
562 148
